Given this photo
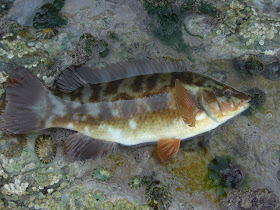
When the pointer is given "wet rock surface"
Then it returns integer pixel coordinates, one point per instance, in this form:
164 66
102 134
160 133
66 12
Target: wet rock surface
251 199
234 42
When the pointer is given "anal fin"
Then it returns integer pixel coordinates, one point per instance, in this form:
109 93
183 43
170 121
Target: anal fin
167 149
81 147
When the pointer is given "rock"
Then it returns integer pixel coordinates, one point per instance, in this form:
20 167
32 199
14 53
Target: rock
23 11
257 199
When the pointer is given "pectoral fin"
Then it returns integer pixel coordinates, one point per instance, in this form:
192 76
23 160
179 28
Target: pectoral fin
80 147
167 149
187 106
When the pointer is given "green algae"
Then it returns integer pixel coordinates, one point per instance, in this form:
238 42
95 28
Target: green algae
223 174
169 21
158 195
12 144
257 101
248 65
98 196
123 204
106 206
135 183
76 194
101 174
56 195
48 16
113 35
244 27
187 5
168 25
207 9
103 48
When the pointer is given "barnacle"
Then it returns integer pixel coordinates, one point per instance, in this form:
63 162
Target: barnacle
45 148
223 174
158 195
135 183
46 33
272 71
258 99
248 65
83 50
102 175
251 199
12 145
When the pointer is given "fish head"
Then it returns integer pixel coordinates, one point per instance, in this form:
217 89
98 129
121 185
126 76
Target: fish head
222 102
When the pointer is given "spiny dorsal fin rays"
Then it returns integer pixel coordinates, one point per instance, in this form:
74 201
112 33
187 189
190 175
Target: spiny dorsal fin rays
188 108
71 79
81 147
167 149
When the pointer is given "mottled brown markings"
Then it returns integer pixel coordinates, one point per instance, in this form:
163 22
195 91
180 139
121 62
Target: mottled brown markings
3 104
76 95
151 82
105 111
137 84
112 87
95 93
128 108
13 82
217 92
157 102
122 96
184 77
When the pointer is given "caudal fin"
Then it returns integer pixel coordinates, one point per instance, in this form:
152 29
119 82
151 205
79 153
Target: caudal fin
24 106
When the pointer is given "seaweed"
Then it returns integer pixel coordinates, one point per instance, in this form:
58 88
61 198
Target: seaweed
158 195
248 65
48 16
103 48
187 6
169 24
223 174
207 9
257 101
170 20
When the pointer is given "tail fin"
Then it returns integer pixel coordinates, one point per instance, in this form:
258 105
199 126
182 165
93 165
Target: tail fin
24 107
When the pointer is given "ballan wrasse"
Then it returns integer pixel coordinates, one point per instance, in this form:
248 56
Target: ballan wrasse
127 103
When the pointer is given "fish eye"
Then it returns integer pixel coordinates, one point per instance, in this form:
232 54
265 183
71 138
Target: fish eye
226 91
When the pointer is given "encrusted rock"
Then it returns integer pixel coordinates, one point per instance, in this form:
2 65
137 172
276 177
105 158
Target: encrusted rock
253 200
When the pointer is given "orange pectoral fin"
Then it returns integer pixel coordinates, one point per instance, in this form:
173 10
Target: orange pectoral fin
167 149
187 106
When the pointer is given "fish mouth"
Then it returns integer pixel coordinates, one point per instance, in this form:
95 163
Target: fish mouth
245 102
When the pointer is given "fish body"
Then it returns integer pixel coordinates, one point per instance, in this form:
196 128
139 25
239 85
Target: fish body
144 108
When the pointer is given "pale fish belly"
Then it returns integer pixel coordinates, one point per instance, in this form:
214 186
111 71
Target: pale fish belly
128 122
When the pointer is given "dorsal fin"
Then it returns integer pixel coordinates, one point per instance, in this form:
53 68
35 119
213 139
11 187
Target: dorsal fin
71 79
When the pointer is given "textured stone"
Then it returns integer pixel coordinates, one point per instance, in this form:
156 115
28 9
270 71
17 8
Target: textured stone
23 11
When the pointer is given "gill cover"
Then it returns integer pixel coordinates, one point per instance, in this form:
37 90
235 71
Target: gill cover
223 101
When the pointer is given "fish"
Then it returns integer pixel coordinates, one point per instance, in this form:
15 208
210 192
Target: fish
128 103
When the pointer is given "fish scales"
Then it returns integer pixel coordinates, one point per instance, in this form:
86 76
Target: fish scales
158 102
128 109
131 109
